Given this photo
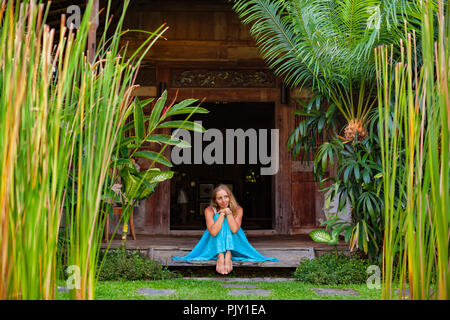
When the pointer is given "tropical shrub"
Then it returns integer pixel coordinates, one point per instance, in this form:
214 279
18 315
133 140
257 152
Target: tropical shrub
54 102
318 125
131 265
358 182
329 47
330 238
331 269
414 111
138 185
61 117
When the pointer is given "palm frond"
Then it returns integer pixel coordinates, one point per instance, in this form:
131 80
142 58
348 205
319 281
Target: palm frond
325 43
277 38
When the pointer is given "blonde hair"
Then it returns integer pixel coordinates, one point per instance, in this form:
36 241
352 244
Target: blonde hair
233 203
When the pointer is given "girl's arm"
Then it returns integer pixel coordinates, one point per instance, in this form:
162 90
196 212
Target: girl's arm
213 227
235 223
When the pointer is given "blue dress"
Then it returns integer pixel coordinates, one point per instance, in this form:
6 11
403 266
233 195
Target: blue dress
209 247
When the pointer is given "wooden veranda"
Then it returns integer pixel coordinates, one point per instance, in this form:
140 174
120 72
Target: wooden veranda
288 249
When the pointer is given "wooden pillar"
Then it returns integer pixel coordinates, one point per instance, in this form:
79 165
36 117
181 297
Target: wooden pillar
92 36
157 216
283 122
307 200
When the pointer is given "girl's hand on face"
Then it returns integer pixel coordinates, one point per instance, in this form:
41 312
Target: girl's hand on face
228 211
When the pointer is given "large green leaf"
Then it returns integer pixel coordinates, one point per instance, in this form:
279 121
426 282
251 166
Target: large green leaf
327 45
140 185
166 139
151 155
126 142
131 124
139 122
145 102
155 175
150 179
147 191
156 112
187 110
180 124
320 236
276 37
130 184
179 106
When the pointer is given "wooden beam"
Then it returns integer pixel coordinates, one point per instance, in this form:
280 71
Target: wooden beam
137 41
204 51
146 91
226 94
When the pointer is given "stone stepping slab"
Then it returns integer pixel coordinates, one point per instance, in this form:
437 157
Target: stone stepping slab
326 291
240 292
237 292
156 292
406 293
234 285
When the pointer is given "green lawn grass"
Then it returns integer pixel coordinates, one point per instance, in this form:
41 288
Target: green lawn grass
188 289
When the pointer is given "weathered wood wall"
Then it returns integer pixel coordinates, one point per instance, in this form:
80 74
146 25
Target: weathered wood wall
206 37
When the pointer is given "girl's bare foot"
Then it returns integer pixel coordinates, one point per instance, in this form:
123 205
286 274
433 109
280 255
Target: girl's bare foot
220 266
228 262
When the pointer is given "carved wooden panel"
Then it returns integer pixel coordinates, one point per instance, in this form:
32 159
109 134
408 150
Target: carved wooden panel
222 79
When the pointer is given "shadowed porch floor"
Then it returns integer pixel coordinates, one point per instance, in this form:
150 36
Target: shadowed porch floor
288 249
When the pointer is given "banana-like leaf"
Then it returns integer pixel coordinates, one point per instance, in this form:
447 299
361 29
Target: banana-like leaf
126 141
156 112
151 155
166 139
138 186
139 122
146 102
147 191
179 124
186 110
150 179
179 106
130 183
131 124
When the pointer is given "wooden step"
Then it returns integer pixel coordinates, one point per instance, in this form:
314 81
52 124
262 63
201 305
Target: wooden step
287 257
287 249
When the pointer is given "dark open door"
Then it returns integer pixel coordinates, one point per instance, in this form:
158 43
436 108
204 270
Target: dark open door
192 184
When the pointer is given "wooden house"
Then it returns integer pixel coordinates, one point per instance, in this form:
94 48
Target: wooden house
208 54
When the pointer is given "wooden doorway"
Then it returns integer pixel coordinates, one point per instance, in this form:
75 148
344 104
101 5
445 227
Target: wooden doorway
191 186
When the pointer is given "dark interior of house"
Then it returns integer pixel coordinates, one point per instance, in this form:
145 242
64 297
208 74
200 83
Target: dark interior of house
192 184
